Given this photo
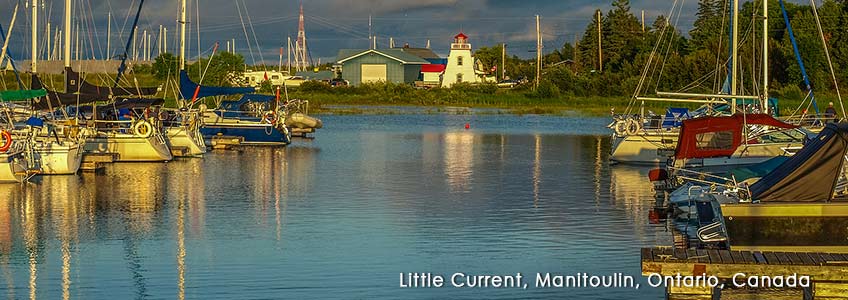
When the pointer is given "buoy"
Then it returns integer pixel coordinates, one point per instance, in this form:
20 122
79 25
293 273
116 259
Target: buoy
7 141
467 126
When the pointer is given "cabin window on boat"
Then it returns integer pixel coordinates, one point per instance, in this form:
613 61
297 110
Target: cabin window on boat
459 60
720 140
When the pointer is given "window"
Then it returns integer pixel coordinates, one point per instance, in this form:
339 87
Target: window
458 78
459 61
721 140
275 77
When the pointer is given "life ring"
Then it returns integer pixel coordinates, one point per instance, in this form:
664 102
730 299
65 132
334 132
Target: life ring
270 118
633 127
143 129
7 138
620 127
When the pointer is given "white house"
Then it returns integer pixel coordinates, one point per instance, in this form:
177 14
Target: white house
460 67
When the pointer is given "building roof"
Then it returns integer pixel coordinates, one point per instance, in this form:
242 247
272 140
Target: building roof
395 54
433 68
461 36
424 53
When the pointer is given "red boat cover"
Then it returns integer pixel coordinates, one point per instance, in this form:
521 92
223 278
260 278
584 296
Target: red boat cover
718 136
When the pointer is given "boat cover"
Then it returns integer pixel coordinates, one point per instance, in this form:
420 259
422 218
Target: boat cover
811 174
188 89
674 117
718 136
77 84
55 99
21 95
236 105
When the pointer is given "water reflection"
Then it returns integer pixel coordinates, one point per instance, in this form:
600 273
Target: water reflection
336 216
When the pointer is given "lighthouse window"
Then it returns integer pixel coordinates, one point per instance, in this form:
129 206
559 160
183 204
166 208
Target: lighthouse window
458 77
459 61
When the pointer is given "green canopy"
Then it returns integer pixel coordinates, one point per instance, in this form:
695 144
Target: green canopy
21 95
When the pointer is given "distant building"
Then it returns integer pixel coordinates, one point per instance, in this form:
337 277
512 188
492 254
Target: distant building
380 65
460 67
432 75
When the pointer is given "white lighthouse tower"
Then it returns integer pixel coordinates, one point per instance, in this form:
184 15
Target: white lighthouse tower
461 63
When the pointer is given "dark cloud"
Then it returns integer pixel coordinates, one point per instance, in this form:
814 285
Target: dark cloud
336 24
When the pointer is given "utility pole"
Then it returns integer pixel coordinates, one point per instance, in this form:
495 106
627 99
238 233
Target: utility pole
165 39
281 61
370 33
109 37
600 45
735 54
539 47
503 61
428 44
144 45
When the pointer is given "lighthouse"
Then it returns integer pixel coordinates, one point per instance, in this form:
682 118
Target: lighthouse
460 67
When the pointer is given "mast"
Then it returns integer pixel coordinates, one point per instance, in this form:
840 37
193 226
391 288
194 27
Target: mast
734 73
182 34
34 26
765 58
109 37
67 42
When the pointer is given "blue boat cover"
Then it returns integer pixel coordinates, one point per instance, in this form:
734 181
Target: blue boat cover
811 174
188 87
236 105
674 117
35 122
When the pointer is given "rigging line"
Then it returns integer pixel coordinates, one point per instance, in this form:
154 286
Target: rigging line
719 65
827 54
336 24
255 40
670 43
94 29
649 63
351 32
246 37
197 25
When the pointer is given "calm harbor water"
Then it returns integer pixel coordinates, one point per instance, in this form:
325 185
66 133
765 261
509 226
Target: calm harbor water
340 217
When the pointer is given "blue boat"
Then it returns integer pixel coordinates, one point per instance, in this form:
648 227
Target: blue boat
257 119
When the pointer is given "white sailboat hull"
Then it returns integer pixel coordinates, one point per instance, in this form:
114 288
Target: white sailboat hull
647 147
129 147
181 137
12 167
55 159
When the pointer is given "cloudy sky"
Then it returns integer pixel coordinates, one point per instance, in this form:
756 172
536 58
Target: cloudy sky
336 24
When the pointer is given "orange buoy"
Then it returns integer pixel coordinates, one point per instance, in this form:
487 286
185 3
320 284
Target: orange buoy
467 126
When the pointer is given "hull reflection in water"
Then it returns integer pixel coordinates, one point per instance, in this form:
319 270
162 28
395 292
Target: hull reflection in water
358 203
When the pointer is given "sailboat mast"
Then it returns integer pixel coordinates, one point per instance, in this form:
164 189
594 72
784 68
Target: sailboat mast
67 32
34 26
734 73
765 58
182 34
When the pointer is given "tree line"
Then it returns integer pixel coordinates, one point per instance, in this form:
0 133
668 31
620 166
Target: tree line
695 61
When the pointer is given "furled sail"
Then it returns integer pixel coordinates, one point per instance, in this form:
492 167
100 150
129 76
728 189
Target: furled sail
55 99
811 174
76 84
191 90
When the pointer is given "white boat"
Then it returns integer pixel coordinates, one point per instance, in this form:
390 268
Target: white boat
183 134
13 167
57 158
131 141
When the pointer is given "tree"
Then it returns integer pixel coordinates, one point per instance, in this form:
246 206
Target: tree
223 69
165 65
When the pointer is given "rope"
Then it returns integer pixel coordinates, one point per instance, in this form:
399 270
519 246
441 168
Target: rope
827 54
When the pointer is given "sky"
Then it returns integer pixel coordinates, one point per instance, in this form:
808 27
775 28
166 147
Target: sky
261 27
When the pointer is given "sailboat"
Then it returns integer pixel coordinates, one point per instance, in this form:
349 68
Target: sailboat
123 131
257 119
645 139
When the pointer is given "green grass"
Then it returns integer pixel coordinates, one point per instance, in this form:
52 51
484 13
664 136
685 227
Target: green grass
520 101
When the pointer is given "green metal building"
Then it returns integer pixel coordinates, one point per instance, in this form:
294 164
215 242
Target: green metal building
380 65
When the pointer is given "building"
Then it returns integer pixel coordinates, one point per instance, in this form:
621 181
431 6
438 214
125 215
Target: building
432 75
380 65
460 67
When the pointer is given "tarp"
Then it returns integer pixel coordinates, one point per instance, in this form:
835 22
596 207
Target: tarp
55 99
236 105
188 88
78 85
811 174
674 117
22 95
718 136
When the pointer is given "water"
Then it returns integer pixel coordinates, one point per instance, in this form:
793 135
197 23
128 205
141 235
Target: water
340 217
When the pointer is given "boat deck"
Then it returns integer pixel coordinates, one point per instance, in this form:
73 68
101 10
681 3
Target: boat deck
828 271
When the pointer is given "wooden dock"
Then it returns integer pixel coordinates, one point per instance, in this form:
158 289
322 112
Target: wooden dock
93 162
222 142
828 272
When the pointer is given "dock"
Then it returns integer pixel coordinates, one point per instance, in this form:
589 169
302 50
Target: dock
828 271
93 162
223 142
302 132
